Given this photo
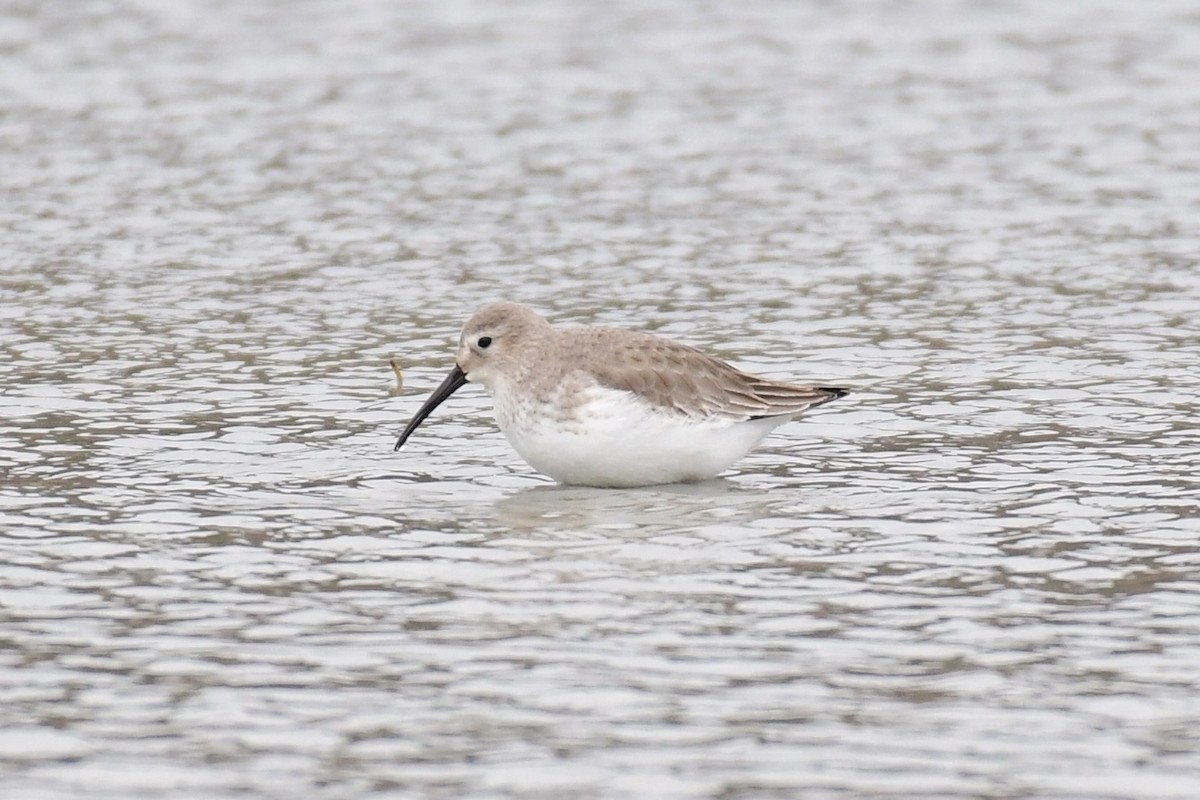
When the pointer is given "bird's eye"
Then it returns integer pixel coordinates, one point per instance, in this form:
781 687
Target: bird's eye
484 342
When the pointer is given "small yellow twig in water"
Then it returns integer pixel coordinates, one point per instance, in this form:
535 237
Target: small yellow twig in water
399 387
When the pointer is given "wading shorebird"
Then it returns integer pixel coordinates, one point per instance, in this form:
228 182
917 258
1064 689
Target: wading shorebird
592 406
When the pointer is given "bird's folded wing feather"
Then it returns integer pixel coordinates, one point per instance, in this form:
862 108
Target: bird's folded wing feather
682 379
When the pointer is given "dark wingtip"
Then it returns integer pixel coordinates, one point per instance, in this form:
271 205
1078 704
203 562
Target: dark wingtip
836 393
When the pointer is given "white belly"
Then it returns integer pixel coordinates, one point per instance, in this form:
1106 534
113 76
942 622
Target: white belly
616 439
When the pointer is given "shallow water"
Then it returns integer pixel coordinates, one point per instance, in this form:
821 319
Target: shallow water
977 576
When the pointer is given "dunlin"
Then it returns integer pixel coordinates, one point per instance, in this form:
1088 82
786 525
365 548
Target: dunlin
606 407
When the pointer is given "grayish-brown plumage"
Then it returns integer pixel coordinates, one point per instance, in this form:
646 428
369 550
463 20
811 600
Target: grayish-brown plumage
579 403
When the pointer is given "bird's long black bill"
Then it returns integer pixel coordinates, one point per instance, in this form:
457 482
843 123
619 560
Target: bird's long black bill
455 379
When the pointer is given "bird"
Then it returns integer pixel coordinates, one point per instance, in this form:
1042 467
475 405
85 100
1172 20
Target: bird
608 407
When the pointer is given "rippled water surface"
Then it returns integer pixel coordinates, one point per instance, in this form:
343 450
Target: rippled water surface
976 576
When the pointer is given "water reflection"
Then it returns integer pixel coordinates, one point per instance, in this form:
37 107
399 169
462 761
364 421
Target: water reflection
655 508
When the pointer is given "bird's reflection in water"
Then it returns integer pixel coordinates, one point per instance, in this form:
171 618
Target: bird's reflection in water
653 508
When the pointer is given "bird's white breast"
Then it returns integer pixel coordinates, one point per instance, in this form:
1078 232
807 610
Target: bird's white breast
597 436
